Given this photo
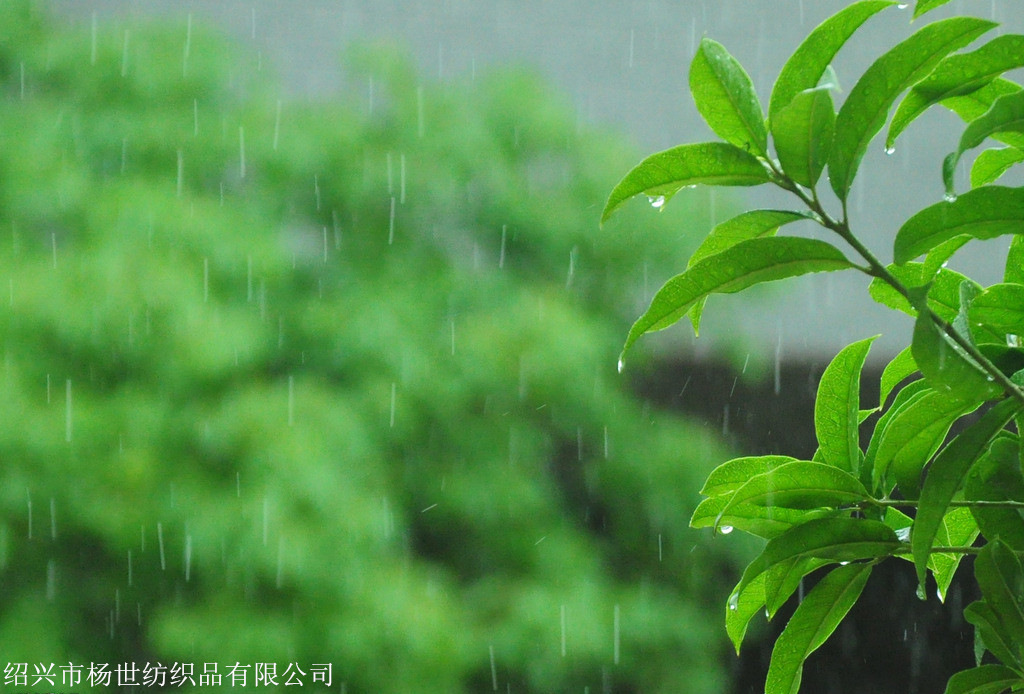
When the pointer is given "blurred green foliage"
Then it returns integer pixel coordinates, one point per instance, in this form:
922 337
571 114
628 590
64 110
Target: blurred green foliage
330 382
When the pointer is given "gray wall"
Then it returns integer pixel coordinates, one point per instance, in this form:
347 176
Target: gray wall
625 65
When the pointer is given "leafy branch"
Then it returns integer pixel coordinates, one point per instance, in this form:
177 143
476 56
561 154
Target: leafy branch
838 509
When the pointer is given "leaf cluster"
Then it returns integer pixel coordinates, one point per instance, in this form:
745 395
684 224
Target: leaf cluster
840 512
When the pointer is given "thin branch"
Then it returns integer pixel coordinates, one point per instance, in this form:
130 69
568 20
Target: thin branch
904 503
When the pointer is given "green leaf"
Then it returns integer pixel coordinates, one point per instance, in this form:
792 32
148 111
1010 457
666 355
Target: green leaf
865 110
811 59
912 437
836 407
734 269
946 476
993 163
1000 308
799 485
733 474
748 225
909 393
993 634
958 74
813 621
836 539
982 213
997 477
937 257
1014 271
984 679
802 133
947 367
763 521
998 571
901 366
783 579
662 175
958 529
972 106
1005 115
725 97
927 6
943 294
739 611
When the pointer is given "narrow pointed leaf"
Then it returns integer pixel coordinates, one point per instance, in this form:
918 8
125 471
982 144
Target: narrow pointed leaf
1005 116
946 476
923 6
984 679
783 579
725 97
865 110
973 106
739 611
813 621
910 393
836 539
836 407
799 485
731 475
914 435
992 633
958 529
1001 580
748 225
665 173
993 163
982 213
958 74
763 521
733 270
938 256
802 133
900 367
943 294
947 367
811 59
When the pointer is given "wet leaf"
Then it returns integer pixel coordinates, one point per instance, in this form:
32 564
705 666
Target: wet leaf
947 367
836 407
731 475
865 110
993 163
1000 308
943 294
1006 115
763 521
912 437
799 485
955 75
923 6
783 579
725 97
972 106
982 213
992 633
946 476
741 609
958 529
997 477
813 621
984 679
665 173
1001 580
1014 270
909 393
802 133
811 59
734 269
900 367
748 225
936 259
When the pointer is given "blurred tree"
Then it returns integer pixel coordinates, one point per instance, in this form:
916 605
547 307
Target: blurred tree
330 383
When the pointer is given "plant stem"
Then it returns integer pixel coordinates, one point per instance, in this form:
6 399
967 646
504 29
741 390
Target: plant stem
877 269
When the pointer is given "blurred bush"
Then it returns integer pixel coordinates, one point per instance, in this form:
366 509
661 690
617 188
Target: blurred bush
330 382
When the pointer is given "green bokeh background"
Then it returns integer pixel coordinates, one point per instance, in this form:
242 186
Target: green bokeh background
333 382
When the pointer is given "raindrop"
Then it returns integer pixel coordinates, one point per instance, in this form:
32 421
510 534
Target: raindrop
291 400
181 171
660 555
572 266
890 150
617 644
903 534
494 668
392 405
950 196
501 254
316 191
160 543
28 497
621 365
53 518
734 602
902 5
391 223
401 178
843 563
277 125
725 529
67 411
188 557
51 580
657 201
562 616
420 127
1013 340
920 592
606 442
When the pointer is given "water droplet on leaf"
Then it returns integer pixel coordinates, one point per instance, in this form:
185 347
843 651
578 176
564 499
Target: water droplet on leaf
734 601
949 197
657 201
890 150
621 365
725 529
